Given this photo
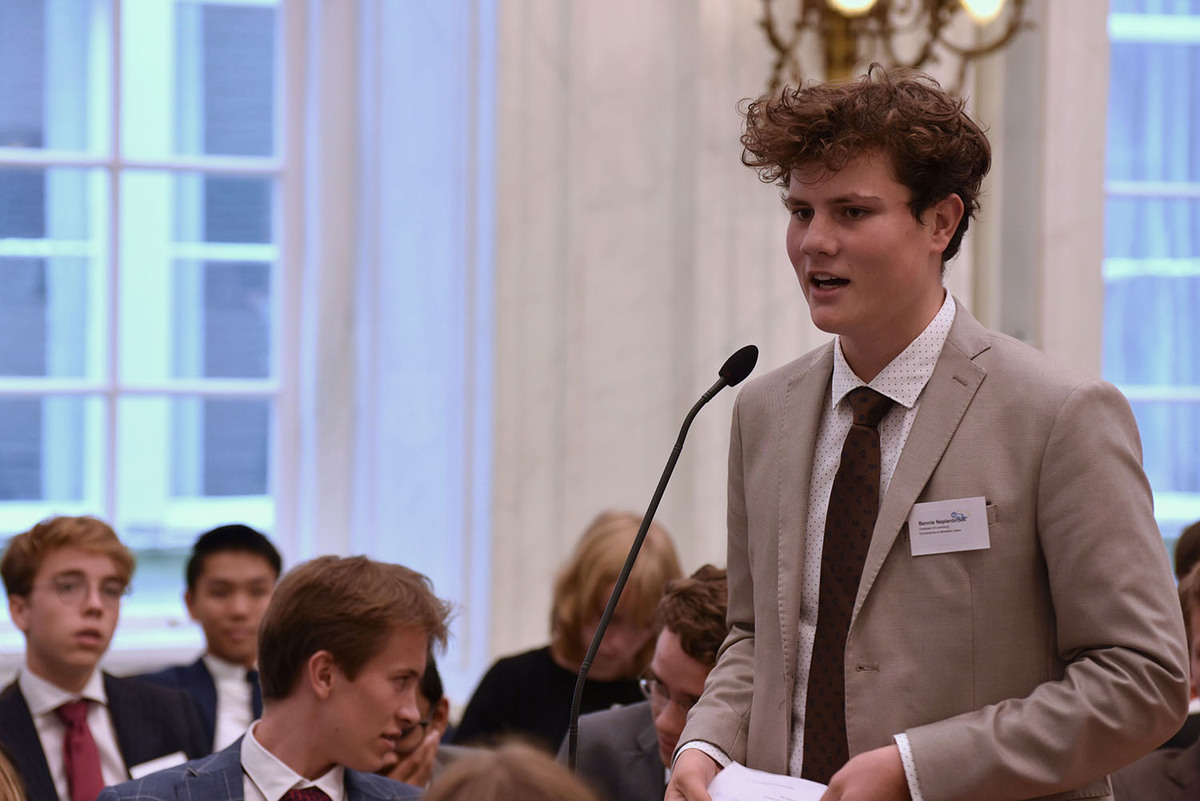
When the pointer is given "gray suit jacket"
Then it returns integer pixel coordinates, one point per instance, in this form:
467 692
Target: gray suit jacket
618 756
219 778
1030 668
1170 774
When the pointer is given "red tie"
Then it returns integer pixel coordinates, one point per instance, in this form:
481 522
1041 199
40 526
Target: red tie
305 794
81 760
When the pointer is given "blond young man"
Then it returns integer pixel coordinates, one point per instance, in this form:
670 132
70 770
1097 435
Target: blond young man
70 728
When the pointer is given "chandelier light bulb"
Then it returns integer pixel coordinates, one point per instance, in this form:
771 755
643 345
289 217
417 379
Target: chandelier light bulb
983 11
853 8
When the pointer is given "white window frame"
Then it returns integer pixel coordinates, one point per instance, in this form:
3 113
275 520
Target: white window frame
160 631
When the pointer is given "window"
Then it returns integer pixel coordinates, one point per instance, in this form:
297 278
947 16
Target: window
140 278
1152 242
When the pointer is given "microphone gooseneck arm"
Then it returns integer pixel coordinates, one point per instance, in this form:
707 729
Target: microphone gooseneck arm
736 368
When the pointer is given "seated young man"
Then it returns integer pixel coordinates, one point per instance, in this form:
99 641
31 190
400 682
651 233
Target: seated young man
625 753
69 728
341 651
230 577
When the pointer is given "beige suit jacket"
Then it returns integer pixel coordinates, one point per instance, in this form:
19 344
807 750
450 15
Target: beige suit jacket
1029 669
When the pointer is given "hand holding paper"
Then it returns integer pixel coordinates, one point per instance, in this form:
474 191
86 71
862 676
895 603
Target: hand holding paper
739 783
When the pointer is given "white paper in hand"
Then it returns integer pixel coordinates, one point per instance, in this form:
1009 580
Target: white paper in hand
740 783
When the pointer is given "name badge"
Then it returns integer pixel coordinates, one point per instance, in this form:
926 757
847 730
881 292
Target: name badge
948 526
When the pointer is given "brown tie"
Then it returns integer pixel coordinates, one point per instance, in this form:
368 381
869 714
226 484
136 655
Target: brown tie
853 507
81 760
305 794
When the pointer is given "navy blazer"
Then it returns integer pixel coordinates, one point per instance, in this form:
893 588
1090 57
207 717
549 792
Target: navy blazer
149 722
196 681
219 778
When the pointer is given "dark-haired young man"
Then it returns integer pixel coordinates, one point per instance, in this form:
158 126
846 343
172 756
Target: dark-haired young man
422 753
230 577
342 648
945 576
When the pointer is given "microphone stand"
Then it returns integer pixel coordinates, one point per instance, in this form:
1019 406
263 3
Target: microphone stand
573 731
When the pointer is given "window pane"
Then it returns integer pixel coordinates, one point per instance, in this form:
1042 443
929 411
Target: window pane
51 458
199 79
53 74
1143 312
186 464
53 255
1153 112
1155 6
1153 228
204 297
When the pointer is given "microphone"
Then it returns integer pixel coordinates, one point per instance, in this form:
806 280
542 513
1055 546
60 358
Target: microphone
732 372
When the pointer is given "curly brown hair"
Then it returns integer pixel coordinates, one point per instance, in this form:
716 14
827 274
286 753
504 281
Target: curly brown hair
935 149
694 608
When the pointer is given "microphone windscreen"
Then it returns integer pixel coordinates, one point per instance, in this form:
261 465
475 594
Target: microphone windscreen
739 365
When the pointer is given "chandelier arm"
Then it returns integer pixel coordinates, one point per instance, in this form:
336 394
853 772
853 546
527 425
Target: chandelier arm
930 9
785 50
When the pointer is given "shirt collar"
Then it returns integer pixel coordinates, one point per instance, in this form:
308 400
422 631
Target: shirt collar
905 376
43 696
223 669
273 778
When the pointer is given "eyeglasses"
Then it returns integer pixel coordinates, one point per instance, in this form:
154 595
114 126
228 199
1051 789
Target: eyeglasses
74 590
659 696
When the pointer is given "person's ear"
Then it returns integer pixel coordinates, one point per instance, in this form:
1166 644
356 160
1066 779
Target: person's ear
188 600
18 607
322 673
441 715
944 217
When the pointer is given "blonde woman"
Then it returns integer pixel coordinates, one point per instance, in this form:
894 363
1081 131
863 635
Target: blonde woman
530 693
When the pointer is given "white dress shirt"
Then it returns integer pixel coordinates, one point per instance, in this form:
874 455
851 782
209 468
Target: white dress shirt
43 698
234 714
265 778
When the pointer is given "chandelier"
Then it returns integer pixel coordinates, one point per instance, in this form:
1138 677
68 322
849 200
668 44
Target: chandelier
903 33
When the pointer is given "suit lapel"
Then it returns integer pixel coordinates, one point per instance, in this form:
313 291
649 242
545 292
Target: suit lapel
797 440
648 758
220 777
199 682
24 744
944 401
123 708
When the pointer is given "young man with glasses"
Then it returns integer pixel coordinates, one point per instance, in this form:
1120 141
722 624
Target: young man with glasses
625 753
70 728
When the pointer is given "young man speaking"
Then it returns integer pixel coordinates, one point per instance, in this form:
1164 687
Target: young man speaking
945 576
